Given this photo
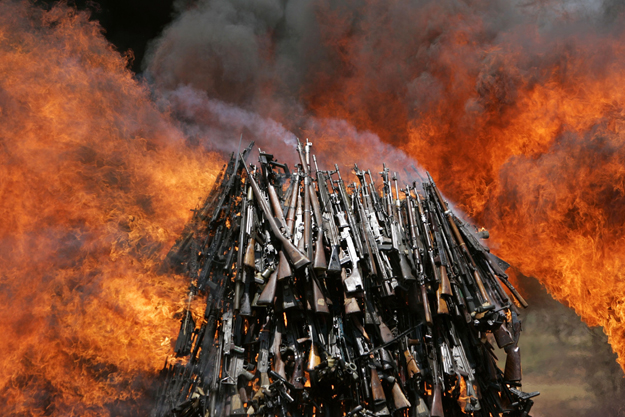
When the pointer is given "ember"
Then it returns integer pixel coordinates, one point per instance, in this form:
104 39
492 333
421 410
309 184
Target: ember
353 303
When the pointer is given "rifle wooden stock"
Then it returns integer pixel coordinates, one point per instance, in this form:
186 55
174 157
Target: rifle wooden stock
264 385
411 364
264 380
288 298
437 401
480 286
445 284
503 336
442 304
236 406
377 392
269 292
299 259
319 263
275 204
426 305
314 359
250 257
421 408
513 364
278 363
399 399
320 305
351 306
290 216
298 372
284 269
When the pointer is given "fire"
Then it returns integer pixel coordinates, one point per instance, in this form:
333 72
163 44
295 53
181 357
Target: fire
96 183
524 131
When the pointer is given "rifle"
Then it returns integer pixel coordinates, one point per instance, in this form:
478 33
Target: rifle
386 283
299 259
327 220
416 253
319 303
486 302
347 209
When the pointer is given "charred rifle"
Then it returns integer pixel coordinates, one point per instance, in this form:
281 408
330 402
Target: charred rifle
319 303
331 232
486 302
379 267
417 255
299 259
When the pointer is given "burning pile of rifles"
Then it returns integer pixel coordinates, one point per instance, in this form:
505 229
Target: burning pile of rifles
333 299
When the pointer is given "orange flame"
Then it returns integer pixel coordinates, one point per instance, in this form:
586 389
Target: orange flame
95 184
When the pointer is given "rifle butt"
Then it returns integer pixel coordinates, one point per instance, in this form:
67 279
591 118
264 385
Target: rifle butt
442 304
335 263
385 332
513 364
437 401
406 271
297 377
246 306
445 284
411 364
421 410
314 359
275 205
284 269
236 406
399 399
278 364
320 264
377 392
250 256
320 304
351 306
243 394
426 305
269 292
298 259
503 337
237 294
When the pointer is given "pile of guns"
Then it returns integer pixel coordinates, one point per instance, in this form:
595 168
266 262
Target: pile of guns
332 299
